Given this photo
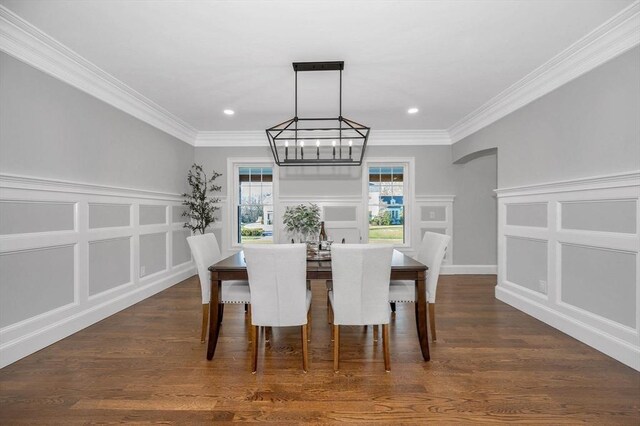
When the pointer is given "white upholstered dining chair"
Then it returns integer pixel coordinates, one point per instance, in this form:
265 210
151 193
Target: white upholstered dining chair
360 294
431 253
279 294
206 252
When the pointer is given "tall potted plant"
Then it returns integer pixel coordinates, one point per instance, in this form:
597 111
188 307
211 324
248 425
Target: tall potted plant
201 206
302 221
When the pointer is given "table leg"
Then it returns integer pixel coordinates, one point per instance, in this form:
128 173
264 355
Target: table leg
215 315
421 314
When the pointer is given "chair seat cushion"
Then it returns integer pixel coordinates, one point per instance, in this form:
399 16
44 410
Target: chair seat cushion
235 292
402 291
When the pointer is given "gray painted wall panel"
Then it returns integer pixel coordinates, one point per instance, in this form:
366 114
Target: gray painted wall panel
529 214
80 138
600 281
35 281
153 253
17 217
433 213
526 262
587 127
151 214
109 264
177 214
339 213
109 215
609 216
181 252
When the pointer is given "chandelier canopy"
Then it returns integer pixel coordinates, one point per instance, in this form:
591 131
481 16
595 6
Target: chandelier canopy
325 141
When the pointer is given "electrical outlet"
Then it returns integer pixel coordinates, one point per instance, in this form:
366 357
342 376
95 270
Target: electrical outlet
432 215
543 286
142 271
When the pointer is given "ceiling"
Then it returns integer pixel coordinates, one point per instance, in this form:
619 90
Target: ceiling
197 58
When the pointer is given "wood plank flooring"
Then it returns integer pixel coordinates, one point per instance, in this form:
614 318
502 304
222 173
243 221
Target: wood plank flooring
491 363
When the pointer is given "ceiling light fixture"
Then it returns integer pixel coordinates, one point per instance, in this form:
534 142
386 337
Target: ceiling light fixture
229 111
412 110
339 141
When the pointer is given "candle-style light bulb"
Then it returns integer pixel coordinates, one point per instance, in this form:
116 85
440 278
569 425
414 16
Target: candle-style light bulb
318 149
333 143
350 147
286 150
302 150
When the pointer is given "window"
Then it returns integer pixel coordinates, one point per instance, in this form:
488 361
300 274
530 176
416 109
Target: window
254 205
387 192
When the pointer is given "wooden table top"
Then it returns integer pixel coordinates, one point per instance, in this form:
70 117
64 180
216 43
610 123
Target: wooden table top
400 261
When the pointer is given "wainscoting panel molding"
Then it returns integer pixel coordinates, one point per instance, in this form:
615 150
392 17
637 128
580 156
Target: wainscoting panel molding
582 274
69 275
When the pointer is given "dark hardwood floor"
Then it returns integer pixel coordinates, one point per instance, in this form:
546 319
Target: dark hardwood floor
491 363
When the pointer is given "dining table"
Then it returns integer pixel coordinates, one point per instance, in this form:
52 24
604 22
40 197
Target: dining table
234 267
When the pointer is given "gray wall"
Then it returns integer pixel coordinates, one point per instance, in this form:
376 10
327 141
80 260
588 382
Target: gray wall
475 215
472 183
50 129
588 127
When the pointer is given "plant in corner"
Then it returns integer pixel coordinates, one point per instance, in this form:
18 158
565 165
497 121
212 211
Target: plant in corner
201 206
302 220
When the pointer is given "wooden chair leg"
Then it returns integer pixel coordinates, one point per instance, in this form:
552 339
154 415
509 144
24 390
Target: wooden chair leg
375 333
254 348
309 324
250 326
267 334
305 348
431 307
393 306
336 348
385 347
246 308
205 321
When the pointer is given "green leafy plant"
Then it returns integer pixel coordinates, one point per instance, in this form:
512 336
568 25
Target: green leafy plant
302 220
202 206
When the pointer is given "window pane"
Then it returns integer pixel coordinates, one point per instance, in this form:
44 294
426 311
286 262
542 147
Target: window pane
386 205
386 224
255 209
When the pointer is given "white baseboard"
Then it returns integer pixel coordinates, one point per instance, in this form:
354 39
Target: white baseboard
468 269
612 346
14 350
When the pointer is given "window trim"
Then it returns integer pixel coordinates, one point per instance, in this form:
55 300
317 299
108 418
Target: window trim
408 163
233 182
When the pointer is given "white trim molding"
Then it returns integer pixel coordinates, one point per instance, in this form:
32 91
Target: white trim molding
23 182
588 321
612 38
248 138
469 270
32 46
27 335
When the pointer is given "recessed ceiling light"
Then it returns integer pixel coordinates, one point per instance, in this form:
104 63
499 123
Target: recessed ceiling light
229 111
412 110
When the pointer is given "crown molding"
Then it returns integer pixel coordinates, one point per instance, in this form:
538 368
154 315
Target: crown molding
378 138
27 43
614 37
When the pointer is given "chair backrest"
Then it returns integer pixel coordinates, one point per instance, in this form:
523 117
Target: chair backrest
431 253
205 252
349 235
278 283
361 274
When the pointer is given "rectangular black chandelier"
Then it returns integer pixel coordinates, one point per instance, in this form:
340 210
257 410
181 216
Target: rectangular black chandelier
326 141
